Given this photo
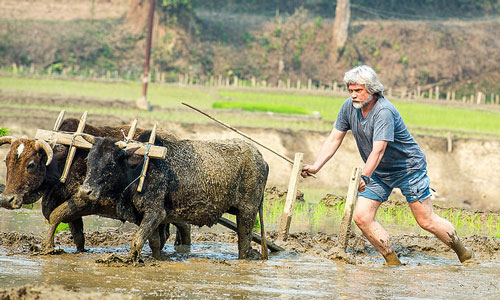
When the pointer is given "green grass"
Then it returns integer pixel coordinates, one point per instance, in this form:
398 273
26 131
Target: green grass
4 131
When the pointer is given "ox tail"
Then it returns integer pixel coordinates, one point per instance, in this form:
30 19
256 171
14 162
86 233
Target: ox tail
265 255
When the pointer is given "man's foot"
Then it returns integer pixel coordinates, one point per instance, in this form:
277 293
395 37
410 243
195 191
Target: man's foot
392 260
468 258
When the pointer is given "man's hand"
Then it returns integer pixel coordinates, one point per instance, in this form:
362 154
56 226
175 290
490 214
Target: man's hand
362 185
307 170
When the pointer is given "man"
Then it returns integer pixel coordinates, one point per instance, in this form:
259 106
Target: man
392 160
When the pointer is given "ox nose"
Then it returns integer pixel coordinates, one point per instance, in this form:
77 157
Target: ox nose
7 201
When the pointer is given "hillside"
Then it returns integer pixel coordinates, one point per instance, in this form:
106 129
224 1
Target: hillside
108 35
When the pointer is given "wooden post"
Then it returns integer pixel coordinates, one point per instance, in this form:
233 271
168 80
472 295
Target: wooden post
437 92
235 81
72 149
288 84
152 138
497 99
253 81
299 84
350 203
291 195
479 97
430 94
449 142
418 91
309 84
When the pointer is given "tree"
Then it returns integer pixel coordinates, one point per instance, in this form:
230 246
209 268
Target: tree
341 25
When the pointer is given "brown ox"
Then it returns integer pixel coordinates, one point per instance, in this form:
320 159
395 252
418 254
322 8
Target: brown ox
33 172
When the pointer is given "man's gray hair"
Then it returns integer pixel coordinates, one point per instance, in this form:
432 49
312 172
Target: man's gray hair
367 76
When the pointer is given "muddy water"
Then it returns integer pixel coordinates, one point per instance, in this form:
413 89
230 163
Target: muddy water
211 271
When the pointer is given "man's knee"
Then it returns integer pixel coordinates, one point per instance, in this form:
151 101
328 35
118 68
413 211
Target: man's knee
361 219
425 222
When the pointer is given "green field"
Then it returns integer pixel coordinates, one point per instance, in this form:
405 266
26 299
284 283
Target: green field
435 117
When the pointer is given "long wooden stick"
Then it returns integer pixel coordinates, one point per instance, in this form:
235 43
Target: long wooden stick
146 159
241 133
255 237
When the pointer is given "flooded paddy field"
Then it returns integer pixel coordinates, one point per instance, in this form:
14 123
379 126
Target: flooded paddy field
308 269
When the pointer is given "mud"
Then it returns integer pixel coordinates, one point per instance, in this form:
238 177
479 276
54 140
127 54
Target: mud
56 293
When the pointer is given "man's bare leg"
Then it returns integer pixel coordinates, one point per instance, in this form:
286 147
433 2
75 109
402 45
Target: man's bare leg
441 228
364 216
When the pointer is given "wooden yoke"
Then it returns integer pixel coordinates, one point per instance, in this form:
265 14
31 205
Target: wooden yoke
79 139
72 149
152 138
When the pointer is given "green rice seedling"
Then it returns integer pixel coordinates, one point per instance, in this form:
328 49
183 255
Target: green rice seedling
264 107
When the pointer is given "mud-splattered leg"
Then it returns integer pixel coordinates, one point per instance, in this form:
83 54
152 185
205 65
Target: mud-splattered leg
364 217
244 226
164 232
150 223
183 234
154 243
441 228
76 228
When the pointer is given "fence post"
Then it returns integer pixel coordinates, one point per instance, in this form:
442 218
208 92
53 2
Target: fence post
350 203
497 99
309 83
299 84
430 94
479 97
291 195
437 92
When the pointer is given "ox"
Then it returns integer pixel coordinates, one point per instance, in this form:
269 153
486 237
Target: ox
33 172
197 183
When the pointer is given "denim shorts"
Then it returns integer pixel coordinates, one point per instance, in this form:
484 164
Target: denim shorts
414 186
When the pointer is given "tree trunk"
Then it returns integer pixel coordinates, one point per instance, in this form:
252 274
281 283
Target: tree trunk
341 24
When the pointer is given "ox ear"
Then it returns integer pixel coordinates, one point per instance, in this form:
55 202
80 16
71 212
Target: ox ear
133 160
130 152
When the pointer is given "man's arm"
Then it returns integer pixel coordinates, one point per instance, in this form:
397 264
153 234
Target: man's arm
372 161
327 150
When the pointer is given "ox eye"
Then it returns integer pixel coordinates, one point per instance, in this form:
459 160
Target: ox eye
31 165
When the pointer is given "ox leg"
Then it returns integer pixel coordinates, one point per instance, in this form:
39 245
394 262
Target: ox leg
150 223
183 235
155 243
164 232
244 226
58 215
76 228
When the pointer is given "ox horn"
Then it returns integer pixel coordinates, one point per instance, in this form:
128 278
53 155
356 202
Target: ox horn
89 138
46 147
121 144
6 140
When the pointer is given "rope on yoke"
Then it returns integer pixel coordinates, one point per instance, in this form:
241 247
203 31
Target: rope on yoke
148 146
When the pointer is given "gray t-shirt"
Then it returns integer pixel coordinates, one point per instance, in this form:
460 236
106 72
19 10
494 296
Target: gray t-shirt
383 123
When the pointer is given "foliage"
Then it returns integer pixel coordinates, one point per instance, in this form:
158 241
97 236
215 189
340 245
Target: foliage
4 131
62 227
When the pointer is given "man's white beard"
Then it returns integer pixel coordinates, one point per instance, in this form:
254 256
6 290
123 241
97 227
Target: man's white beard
358 105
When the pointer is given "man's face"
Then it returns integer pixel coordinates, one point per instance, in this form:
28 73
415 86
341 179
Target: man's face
360 97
